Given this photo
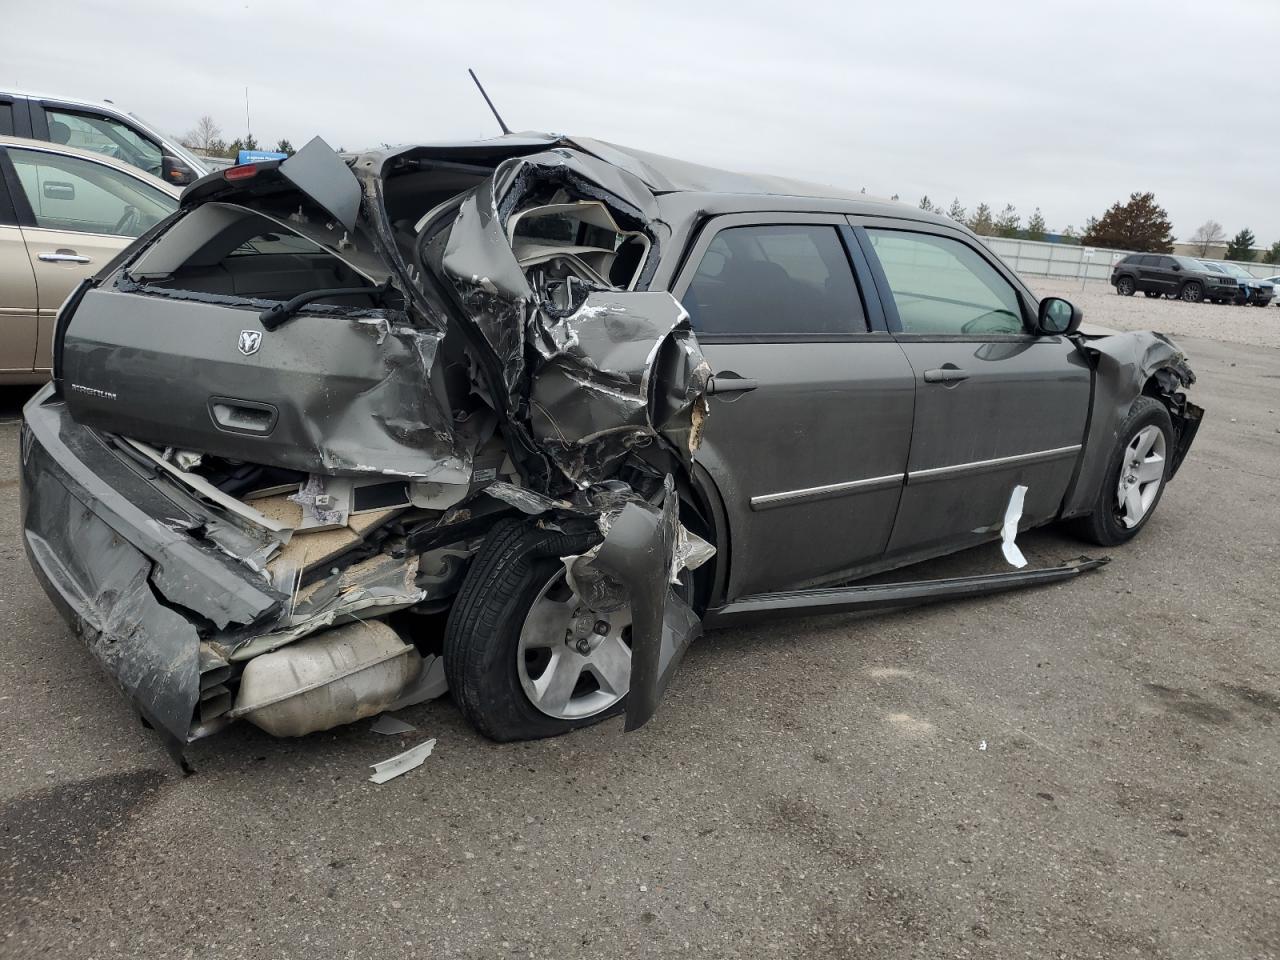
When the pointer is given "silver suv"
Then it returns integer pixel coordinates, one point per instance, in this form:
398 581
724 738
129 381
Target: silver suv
101 128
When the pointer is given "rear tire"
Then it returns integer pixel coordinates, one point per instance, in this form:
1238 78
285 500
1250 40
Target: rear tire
1111 520
511 572
1126 287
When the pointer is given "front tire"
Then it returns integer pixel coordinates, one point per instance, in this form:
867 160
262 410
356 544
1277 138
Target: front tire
1192 291
1135 477
523 662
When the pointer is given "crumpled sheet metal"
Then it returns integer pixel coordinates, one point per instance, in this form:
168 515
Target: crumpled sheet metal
616 369
148 649
402 426
380 585
639 551
630 369
1125 362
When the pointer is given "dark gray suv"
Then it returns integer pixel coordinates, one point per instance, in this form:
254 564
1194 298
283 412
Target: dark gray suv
519 417
1164 275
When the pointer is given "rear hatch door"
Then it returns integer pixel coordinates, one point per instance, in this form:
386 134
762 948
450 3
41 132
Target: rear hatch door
172 349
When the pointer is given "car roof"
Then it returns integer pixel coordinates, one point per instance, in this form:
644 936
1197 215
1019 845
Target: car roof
47 147
74 101
665 175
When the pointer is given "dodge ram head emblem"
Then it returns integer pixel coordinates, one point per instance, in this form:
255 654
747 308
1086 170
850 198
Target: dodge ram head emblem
250 341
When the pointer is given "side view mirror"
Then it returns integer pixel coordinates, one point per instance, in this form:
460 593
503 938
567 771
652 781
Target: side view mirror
1058 317
1177 268
174 171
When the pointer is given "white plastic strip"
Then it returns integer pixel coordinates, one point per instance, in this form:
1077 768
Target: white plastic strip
401 762
1009 532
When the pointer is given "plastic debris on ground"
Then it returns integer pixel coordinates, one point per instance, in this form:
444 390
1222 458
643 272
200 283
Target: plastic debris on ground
402 762
389 726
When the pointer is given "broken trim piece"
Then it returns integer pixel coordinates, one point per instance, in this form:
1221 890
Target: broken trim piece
204 488
880 595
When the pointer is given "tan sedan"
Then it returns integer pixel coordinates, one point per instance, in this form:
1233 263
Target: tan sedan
64 213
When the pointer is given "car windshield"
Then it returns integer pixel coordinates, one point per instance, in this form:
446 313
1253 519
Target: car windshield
1235 271
1216 268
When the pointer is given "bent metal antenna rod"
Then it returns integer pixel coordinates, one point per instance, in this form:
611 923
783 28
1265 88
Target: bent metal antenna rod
496 115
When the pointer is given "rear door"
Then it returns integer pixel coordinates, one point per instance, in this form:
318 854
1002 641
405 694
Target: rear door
17 289
996 406
15 116
76 215
1167 271
1151 276
810 421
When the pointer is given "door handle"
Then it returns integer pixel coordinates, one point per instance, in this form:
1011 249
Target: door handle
945 375
730 382
63 256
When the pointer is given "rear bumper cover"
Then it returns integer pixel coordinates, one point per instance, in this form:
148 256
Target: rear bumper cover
108 547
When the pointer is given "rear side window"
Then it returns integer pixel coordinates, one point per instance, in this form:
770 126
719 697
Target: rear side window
780 281
70 193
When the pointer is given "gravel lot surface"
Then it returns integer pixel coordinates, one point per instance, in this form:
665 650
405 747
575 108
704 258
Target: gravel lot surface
1087 770
1256 326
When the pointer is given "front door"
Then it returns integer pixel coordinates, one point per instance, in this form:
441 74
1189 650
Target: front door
810 418
997 407
80 214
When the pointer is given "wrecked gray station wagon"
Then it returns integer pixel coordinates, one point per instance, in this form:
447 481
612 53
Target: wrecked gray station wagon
517 418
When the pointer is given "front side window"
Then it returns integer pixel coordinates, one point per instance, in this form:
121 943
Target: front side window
104 135
943 286
784 280
70 193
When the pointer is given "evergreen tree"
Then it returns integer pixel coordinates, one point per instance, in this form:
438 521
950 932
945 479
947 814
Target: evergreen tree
982 222
927 205
1035 226
1240 247
1008 222
955 211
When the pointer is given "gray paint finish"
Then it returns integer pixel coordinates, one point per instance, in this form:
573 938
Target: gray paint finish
849 454
1022 396
823 414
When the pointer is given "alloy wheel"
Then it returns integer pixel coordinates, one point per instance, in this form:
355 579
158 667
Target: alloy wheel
1141 473
573 662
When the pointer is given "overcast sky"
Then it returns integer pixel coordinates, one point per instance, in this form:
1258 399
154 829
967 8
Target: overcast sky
1068 106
